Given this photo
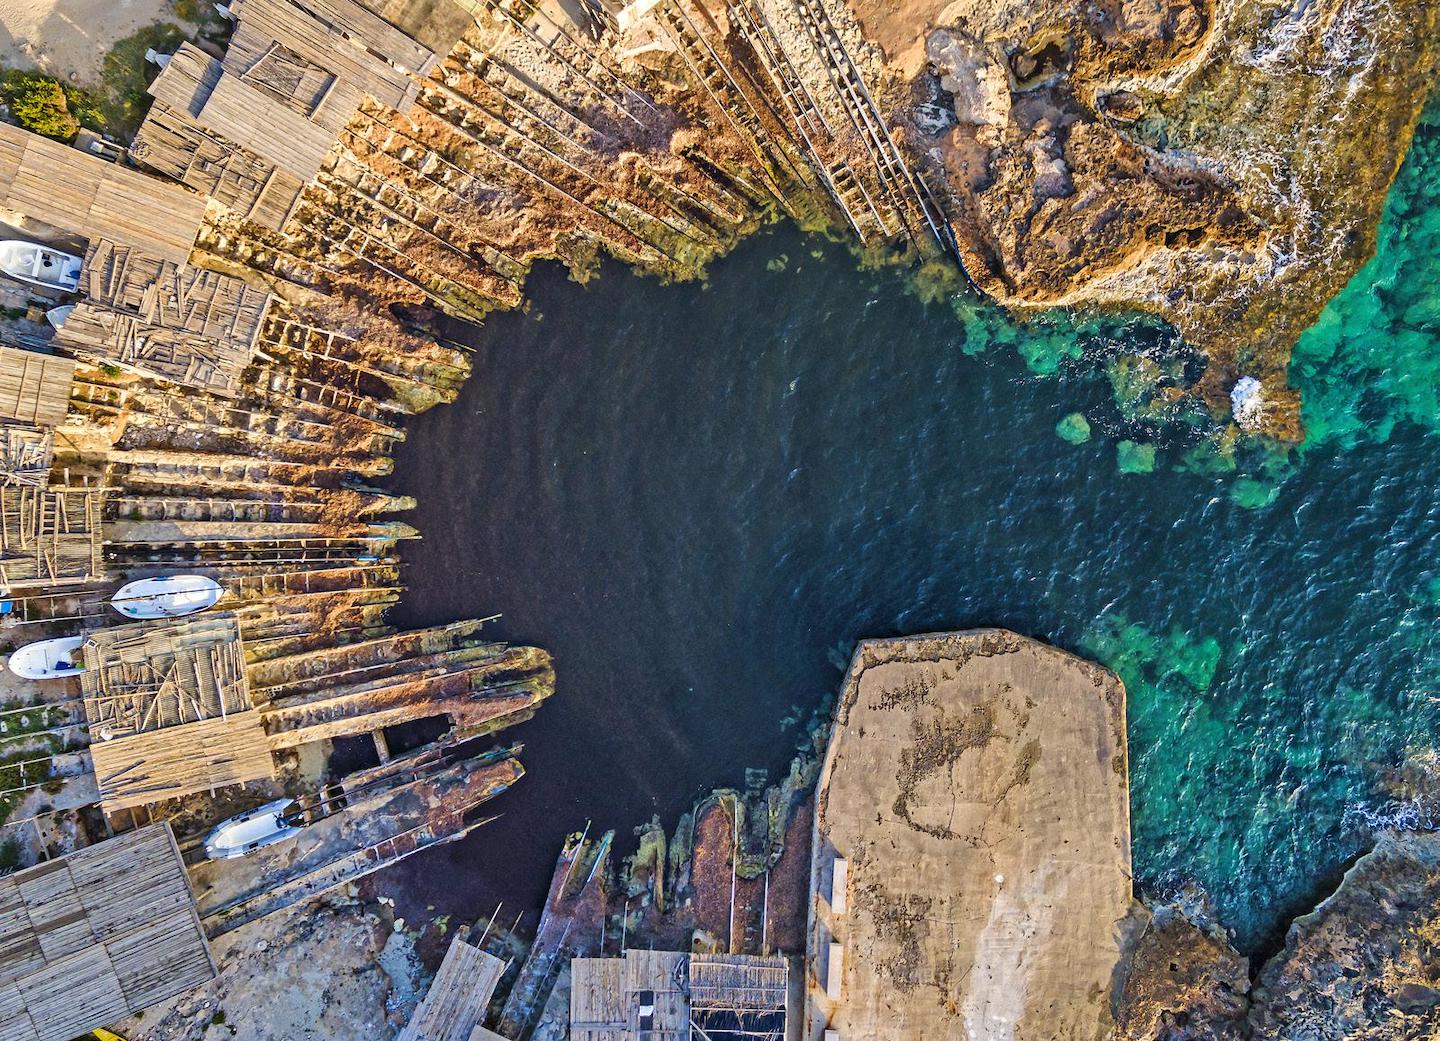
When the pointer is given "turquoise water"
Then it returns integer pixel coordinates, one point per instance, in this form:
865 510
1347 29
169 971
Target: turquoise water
699 496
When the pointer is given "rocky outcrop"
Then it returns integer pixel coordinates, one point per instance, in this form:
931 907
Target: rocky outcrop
1180 979
1366 962
1220 163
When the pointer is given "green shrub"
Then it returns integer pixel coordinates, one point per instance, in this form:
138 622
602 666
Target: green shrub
39 104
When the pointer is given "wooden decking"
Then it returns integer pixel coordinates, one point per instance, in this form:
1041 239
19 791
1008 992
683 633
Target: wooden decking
25 455
186 325
34 387
96 936
50 537
170 711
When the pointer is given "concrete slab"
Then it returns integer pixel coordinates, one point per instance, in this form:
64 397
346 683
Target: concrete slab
976 795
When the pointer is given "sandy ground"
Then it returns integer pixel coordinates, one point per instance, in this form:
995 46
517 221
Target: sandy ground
69 38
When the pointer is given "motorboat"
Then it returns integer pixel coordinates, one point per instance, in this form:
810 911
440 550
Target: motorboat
56 315
263 826
169 596
40 265
48 659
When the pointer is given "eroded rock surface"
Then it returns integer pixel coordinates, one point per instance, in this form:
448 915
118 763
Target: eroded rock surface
1181 980
1366 962
1221 163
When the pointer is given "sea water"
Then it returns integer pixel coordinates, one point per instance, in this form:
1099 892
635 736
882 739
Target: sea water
699 496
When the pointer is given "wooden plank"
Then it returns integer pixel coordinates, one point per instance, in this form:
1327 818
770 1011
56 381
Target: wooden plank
248 116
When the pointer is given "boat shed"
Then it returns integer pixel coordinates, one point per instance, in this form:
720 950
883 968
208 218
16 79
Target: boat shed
98 935
670 996
186 325
455 1005
253 128
50 536
82 194
170 711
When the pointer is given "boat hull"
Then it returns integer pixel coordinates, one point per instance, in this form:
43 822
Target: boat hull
48 659
170 596
244 834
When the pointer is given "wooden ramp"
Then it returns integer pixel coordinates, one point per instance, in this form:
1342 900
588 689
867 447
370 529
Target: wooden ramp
96 936
454 1007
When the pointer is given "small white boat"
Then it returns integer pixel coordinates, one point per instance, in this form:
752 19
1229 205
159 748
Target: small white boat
263 826
40 265
56 315
170 596
48 659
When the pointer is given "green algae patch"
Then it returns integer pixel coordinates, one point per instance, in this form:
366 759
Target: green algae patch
1251 494
1074 429
1131 457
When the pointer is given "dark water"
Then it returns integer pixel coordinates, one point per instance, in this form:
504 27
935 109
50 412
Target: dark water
698 498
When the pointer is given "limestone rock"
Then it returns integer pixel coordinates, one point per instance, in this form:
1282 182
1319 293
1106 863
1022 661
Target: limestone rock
1180 981
977 80
1364 963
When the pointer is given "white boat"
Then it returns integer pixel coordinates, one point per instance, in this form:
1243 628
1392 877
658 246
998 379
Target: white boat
56 315
40 265
48 659
169 596
263 826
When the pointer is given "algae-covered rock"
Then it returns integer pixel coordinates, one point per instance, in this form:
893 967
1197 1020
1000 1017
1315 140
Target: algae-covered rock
1074 428
1131 457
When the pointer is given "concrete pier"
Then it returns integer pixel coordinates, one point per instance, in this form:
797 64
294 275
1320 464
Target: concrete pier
972 844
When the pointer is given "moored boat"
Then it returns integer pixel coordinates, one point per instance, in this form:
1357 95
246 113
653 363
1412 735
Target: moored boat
263 826
48 659
40 265
169 596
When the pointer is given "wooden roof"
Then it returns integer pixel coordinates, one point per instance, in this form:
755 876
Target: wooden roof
172 143
83 194
50 537
96 936
34 387
598 1008
455 1004
310 34
170 711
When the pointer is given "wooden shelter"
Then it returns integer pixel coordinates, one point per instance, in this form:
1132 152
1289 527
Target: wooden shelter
454 1007
84 195
96 936
170 711
26 453
670 996
50 537
175 142
251 129
187 325
34 387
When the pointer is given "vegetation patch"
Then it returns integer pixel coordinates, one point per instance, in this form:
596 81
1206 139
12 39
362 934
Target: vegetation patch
40 104
121 103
